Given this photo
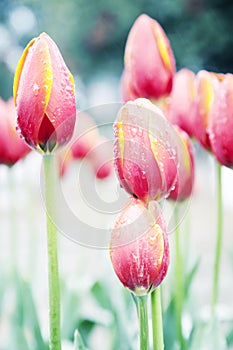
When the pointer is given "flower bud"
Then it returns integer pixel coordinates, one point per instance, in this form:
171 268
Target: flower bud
12 147
149 61
185 175
44 96
145 150
139 247
221 122
181 109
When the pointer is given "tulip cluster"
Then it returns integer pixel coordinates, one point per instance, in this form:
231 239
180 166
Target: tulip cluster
12 147
152 160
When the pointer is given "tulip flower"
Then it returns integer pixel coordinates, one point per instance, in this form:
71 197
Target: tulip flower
185 175
145 150
12 147
149 60
44 96
221 122
45 103
181 109
139 248
85 136
207 83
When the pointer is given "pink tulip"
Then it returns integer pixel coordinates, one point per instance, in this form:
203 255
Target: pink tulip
145 150
12 147
181 109
221 122
86 136
139 247
149 61
185 176
44 96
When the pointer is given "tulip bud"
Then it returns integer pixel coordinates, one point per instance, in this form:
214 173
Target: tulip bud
221 122
149 61
145 150
12 147
139 247
185 175
44 96
181 109
206 85
86 136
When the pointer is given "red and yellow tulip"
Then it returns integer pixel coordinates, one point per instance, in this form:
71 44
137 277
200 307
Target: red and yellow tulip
44 96
139 247
145 150
149 61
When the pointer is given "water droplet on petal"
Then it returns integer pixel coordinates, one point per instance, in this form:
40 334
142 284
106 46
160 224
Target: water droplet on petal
134 131
35 89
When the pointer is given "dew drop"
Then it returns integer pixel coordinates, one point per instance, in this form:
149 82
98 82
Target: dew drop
140 132
134 131
35 89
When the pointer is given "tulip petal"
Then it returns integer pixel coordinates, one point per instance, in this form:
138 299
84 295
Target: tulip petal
61 109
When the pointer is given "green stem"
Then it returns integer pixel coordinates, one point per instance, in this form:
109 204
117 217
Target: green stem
157 320
53 275
143 322
179 290
218 247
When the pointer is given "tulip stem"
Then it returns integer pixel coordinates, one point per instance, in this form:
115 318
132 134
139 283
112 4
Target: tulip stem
218 247
143 322
179 289
53 274
157 320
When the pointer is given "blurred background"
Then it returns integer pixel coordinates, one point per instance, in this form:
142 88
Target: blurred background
91 36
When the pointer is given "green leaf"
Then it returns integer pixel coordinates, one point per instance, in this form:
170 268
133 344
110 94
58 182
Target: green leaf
230 338
190 276
78 341
18 340
101 294
169 328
